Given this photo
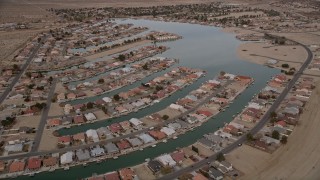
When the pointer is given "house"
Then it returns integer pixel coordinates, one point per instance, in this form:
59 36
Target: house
178 156
227 165
123 144
177 107
82 154
80 137
97 90
135 142
204 113
280 78
167 131
146 138
68 108
269 140
78 119
111 148
34 163
135 122
115 128
16 166
2 166
155 166
61 97
71 96
14 148
97 151
107 99
260 145
54 122
66 158
166 160
215 174
64 140
104 133
90 116
126 174
49 161
125 125
157 134
112 176
92 135
206 143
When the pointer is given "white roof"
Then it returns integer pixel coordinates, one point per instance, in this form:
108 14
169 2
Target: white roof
135 121
166 160
146 138
67 157
175 106
107 99
92 134
254 105
167 131
90 116
214 81
231 76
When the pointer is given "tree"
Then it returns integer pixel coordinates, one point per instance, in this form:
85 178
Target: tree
284 139
158 88
195 149
145 66
222 73
16 67
121 57
50 79
275 135
166 169
89 105
101 81
285 65
273 114
116 97
220 157
250 137
165 117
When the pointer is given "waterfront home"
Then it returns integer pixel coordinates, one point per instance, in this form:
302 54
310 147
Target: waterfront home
222 134
121 109
17 166
166 160
244 80
90 116
71 96
291 111
204 113
231 130
135 142
123 144
104 133
177 107
97 90
127 174
227 165
54 122
92 135
158 135
78 119
79 137
111 148
97 151
167 131
136 122
65 140
155 166
260 145
175 126
82 154
206 143
125 125
146 138
66 158
34 163
107 100
115 128
178 156
49 161
281 78
61 97
112 176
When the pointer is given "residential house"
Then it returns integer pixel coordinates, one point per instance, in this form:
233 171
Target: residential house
123 144
17 166
166 160
92 135
112 176
34 163
97 151
111 148
127 174
157 134
155 166
64 140
66 158
80 137
49 161
82 154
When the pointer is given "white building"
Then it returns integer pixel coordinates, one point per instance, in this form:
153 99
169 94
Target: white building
67 158
90 116
93 135
166 160
167 131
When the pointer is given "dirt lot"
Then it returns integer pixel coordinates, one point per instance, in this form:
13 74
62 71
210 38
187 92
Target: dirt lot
299 159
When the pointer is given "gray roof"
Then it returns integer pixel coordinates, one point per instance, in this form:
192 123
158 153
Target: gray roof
82 154
214 138
174 126
14 148
154 166
206 142
146 138
182 123
103 131
134 142
111 148
97 151
214 173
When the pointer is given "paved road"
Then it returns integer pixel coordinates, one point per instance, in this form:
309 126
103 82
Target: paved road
254 130
24 67
44 117
36 153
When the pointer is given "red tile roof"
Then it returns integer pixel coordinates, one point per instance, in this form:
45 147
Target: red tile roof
123 144
206 113
64 139
112 176
34 163
50 161
17 166
157 134
178 156
126 174
78 119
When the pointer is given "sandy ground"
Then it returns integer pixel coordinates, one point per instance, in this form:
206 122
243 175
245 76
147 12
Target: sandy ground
299 159
116 50
48 141
202 150
260 53
238 14
143 172
29 121
304 38
55 110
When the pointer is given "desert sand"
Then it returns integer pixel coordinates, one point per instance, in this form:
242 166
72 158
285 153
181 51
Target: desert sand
298 159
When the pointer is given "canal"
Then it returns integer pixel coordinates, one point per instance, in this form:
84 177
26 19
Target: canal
203 47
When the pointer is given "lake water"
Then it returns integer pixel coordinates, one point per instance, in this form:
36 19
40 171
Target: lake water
203 47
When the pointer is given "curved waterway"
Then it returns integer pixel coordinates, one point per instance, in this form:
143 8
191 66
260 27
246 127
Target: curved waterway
202 47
